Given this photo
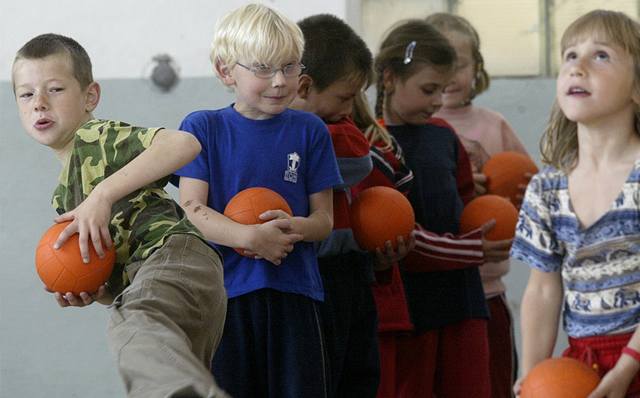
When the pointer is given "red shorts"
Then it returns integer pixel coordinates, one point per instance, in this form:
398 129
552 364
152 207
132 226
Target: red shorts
602 352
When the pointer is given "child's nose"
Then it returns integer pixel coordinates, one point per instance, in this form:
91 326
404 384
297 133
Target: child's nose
279 79
347 110
577 67
40 102
437 100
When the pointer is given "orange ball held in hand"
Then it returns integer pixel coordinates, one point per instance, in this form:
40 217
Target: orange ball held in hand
247 205
379 214
505 171
486 207
63 271
560 378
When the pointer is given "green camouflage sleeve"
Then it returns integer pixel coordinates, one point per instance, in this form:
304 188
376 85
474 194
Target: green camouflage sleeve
101 148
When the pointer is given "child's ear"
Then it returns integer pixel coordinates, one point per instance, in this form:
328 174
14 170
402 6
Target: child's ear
93 97
305 82
635 96
224 73
388 80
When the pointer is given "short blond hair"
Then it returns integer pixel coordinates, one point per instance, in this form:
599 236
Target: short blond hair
256 33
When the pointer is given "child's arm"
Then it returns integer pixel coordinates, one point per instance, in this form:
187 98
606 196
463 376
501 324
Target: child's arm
351 150
540 313
91 218
616 382
511 142
315 227
449 252
479 182
271 240
464 176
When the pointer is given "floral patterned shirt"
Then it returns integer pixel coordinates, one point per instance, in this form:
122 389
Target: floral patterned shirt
600 265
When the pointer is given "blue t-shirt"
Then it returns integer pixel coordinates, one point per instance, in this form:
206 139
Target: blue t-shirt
291 154
600 265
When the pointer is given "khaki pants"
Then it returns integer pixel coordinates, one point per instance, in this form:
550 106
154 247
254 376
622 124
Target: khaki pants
166 325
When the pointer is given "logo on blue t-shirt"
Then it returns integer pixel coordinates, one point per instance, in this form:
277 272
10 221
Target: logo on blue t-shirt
293 162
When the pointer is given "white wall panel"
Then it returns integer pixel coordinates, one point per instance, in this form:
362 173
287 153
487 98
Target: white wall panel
122 36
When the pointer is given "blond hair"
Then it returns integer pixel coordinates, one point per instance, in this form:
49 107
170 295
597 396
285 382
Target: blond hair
559 142
446 22
367 123
257 34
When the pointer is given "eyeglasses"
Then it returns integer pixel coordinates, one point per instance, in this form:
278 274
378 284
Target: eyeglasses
267 72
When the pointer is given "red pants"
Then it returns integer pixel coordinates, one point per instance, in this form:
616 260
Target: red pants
501 348
602 352
451 362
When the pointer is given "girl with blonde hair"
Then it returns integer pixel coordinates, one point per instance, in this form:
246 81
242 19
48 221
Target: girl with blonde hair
578 228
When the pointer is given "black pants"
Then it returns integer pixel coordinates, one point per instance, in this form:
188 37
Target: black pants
350 325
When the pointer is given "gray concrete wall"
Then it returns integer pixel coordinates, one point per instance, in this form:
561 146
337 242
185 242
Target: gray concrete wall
526 104
46 351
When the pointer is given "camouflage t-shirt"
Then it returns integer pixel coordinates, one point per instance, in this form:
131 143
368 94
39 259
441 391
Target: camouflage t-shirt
142 220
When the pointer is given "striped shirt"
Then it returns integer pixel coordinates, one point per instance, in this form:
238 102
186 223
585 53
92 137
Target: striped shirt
600 265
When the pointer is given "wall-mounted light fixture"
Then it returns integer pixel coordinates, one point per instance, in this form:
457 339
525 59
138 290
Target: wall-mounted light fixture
164 74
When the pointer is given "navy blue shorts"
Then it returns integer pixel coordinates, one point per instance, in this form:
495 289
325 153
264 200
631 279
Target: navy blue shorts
272 346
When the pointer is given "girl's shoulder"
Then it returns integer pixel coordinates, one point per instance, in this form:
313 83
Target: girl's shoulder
487 112
439 123
442 127
548 179
490 117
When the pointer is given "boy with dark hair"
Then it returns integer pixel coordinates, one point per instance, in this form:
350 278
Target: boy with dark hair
168 313
338 66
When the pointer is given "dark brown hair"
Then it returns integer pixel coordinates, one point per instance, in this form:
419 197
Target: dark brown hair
333 51
48 44
409 46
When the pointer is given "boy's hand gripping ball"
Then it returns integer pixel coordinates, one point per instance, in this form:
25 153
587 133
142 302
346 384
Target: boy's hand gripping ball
247 205
63 271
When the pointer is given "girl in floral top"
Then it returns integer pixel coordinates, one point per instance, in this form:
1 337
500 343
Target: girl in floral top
579 226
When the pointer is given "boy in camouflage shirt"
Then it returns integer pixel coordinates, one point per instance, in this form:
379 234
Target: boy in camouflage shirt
170 303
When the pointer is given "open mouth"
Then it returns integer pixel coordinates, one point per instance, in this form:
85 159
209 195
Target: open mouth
578 91
43 124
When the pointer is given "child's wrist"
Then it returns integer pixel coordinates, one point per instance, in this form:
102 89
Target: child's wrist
628 364
632 353
102 192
